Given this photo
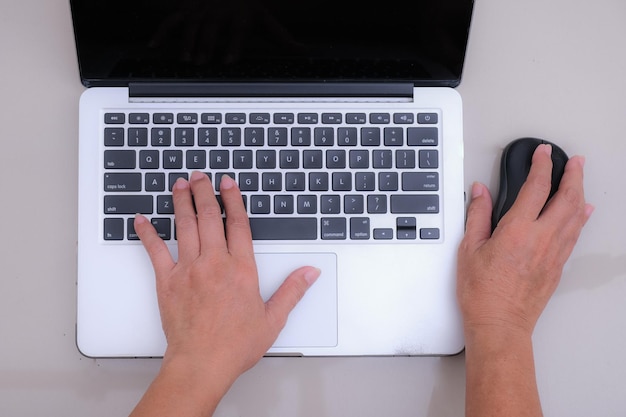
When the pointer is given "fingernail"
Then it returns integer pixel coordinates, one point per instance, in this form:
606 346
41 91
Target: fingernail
181 183
582 160
139 219
197 175
546 148
589 210
477 190
226 182
312 275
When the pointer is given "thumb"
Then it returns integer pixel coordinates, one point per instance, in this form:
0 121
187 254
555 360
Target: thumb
478 225
289 294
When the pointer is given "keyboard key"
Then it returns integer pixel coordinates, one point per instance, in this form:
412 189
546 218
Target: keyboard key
259 118
139 118
231 136
124 182
113 229
283 118
163 227
429 233
383 234
161 136
287 228
114 136
211 118
163 118
324 136
300 136
127 204
359 228
149 159
283 204
429 159
183 136
370 136
331 118
420 181
414 203
254 136
119 159
307 204
196 159
308 118
114 118
155 181
235 118
333 228
380 118
422 136
353 204
356 118
427 118
403 118
187 118
377 203
137 136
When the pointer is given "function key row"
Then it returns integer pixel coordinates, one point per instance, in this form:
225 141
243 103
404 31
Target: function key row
267 118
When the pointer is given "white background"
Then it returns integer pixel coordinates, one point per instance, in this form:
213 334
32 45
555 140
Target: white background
552 69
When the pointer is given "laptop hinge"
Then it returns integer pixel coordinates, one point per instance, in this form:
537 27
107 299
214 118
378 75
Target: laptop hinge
265 90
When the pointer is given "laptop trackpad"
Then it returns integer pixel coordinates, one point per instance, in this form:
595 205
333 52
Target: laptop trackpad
313 322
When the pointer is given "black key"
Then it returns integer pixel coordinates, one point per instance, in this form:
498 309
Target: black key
429 233
211 118
405 159
127 204
283 204
119 159
365 181
370 136
277 136
414 203
308 118
231 136
139 118
420 181
249 181
334 228
331 204
324 136
427 118
422 136
342 181
359 159
259 118
260 204
122 182
429 159
163 227
219 159
283 118
277 228
294 181
318 181
163 118
149 159
196 159
307 204
114 136
272 181
183 136
174 176
382 159
242 159
161 136
114 118
347 136
207 136
137 136
359 228
165 204
266 159
254 136
353 204
331 118
394 136
155 181
131 234
187 118
312 159
113 229
377 203
235 118
336 159
172 159
403 118
290 159
300 136
380 118
388 181
383 234
356 118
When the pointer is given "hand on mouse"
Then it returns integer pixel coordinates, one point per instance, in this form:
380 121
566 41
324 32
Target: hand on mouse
215 321
505 280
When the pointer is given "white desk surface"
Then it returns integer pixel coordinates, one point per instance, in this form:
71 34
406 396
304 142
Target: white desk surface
553 69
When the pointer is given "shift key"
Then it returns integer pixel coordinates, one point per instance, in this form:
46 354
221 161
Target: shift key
128 204
415 203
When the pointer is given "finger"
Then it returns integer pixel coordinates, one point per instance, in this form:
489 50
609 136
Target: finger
158 252
238 232
567 211
478 225
289 294
535 191
209 214
186 224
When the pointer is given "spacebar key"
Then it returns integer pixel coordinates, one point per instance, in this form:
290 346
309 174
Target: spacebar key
283 228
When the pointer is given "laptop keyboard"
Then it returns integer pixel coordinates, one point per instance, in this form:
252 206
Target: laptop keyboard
304 176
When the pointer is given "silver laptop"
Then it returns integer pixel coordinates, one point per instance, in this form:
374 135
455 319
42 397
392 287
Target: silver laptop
338 120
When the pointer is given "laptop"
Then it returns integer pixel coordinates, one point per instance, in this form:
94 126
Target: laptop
339 121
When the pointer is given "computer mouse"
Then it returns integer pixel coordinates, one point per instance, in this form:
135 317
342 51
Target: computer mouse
514 168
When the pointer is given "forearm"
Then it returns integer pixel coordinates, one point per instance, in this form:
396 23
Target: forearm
500 375
183 389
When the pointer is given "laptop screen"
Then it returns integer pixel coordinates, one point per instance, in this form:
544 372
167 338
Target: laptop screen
122 41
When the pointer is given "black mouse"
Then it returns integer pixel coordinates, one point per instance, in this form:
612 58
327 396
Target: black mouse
514 168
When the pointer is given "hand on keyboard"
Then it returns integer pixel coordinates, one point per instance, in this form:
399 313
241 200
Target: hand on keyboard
216 324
